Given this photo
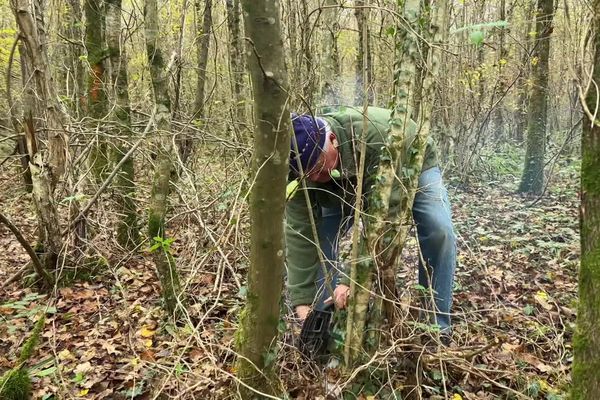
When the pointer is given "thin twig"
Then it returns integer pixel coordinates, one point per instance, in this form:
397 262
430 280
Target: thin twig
39 268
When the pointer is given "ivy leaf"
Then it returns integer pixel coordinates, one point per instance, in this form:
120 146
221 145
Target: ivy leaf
291 189
477 37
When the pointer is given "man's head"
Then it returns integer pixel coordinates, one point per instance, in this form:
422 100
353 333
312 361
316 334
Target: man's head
317 148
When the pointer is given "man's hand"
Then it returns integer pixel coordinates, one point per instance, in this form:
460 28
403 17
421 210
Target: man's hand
302 311
340 297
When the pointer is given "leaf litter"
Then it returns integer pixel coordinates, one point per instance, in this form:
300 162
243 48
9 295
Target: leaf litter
107 338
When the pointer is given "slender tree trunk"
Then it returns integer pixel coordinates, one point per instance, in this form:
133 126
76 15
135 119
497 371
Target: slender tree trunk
257 334
96 93
532 180
441 114
178 66
501 61
586 343
165 263
308 72
76 51
364 51
330 86
523 98
16 110
127 230
236 62
203 32
43 116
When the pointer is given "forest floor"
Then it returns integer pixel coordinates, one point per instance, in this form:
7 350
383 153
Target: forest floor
106 336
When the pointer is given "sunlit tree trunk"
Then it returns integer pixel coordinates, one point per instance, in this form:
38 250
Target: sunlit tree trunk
127 231
96 93
257 333
165 263
532 180
586 343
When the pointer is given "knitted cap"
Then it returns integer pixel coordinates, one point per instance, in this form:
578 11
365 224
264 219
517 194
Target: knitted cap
310 135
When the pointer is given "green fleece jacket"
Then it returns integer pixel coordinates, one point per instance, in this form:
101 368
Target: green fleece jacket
302 253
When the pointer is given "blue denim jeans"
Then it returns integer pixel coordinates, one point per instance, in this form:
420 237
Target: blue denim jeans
437 241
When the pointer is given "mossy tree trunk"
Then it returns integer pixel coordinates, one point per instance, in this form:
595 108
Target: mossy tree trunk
127 230
257 334
96 93
165 263
532 180
586 344
386 234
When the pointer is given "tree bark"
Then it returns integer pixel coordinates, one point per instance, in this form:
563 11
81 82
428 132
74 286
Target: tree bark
586 343
364 52
43 120
501 60
331 82
165 264
236 63
127 231
77 78
532 180
257 333
96 92
386 235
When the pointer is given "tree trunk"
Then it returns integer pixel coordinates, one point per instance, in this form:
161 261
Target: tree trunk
523 99
364 52
127 231
331 82
308 73
532 180
77 78
586 343
165 264
96 93
501 61
43 116
256 337
384 239
203 32
236 63
16 110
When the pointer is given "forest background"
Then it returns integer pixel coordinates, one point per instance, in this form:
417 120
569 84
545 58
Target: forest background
167 84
